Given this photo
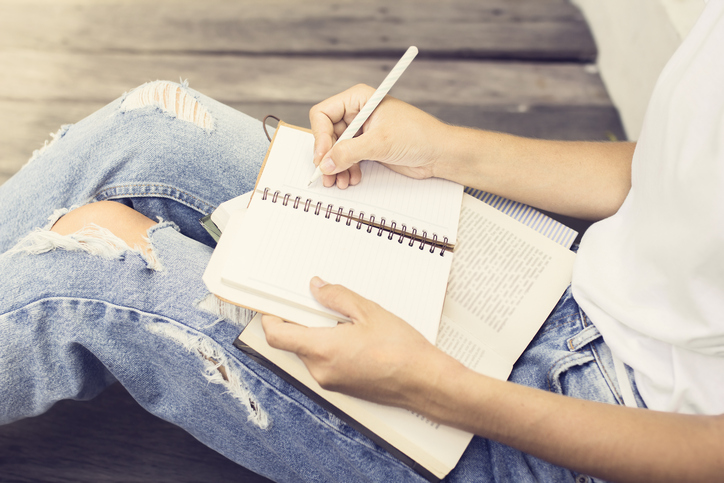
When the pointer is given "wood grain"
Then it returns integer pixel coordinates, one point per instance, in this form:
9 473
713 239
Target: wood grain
557 101
532 29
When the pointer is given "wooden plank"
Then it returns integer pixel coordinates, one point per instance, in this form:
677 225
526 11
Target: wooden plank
568 123
25 126
109 439
45 90
492 29
43 76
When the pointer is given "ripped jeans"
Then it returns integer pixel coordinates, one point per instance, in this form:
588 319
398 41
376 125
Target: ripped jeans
76 315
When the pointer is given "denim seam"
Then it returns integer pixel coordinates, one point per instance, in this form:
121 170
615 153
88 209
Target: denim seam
599 362
606 375
201 206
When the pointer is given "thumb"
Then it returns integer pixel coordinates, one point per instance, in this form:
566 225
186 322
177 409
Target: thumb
349 152
286 335
339 298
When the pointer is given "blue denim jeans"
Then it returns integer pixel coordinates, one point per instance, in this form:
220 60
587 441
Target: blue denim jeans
77 315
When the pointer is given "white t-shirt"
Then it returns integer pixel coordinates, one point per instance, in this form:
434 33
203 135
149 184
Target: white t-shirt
651 277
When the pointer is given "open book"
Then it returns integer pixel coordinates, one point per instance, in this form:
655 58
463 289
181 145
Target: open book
505 278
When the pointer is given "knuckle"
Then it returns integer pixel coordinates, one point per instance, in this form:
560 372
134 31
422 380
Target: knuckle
325 379
272 336
315 110
363 86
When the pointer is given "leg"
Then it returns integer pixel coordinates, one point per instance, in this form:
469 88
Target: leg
567 356
162 149
75 320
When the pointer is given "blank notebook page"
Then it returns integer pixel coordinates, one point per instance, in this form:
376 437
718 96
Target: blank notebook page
432 205
282 249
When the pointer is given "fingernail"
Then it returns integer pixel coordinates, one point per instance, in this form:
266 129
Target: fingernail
318 282
327 165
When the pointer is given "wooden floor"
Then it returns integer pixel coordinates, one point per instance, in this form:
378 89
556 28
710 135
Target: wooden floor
521 66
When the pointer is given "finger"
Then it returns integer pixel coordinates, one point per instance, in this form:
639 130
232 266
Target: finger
330 118
340 298
343 180
285 335
355 174
346 154
325 120
340 128
323 142
328 180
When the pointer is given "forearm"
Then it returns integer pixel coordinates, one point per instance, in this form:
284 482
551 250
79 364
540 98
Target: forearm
583 179
614 442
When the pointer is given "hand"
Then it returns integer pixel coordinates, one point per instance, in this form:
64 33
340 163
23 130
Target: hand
396 134
378 356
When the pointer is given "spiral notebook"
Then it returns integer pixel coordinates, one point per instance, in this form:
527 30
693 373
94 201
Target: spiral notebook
390 239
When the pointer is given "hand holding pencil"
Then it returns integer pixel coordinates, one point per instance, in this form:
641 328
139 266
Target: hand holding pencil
395 133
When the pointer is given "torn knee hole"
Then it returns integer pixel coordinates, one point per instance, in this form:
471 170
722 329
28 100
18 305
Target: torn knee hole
123 222
172 98
106 229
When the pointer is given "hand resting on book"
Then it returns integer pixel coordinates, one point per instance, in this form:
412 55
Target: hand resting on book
378 356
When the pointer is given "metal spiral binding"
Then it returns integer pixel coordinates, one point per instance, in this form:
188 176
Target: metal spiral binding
360 220
371 225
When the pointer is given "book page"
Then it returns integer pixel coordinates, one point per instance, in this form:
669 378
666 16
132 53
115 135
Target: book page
277 250
504 281
432 205
455 341
529 216
225 249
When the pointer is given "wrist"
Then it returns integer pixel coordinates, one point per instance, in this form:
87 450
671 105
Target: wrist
442 385
466 155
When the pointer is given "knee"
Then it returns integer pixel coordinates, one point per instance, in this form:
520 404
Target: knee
175 99
124 222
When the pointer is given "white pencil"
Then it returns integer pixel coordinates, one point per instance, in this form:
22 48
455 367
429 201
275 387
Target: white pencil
373 102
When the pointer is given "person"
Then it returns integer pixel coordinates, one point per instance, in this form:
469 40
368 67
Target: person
102 256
